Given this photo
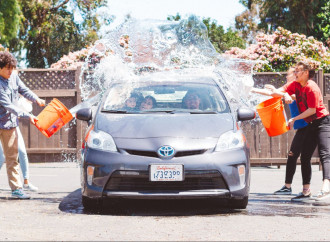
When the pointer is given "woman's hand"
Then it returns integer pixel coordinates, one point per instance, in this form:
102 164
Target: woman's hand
287 98
291 122
41 102
33 119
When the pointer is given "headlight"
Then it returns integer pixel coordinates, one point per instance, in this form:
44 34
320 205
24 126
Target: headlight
230 140
101 141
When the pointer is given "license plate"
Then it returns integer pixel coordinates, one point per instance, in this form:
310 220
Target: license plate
166 172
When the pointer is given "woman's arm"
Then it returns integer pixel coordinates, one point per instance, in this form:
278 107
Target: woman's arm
305 114
265 92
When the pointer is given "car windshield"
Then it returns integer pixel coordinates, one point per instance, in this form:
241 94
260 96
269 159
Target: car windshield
165 97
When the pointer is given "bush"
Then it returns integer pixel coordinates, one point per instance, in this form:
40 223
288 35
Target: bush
72 60
91 54
282 49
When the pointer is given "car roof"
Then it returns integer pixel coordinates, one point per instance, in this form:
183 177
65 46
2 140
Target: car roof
188 75
185 75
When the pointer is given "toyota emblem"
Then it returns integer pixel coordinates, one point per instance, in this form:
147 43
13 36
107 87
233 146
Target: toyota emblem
166 151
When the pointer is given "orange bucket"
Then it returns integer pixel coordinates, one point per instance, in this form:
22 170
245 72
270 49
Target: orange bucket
54 116
273 116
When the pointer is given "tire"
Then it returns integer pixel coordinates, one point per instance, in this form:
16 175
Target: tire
91 204
238 203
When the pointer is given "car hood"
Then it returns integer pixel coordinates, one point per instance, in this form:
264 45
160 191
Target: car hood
139 126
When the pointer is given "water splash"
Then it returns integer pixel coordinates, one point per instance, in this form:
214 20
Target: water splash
86 104
139 46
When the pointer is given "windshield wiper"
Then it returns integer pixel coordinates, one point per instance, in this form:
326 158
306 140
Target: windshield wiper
179 111
203 112
157 111
113 111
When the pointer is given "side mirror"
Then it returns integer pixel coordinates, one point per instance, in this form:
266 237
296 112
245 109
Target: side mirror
84 114
244 114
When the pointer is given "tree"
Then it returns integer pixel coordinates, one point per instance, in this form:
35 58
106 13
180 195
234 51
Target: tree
220 39
246 22
48 30
322 25
10 18
295 15
309 17
177 17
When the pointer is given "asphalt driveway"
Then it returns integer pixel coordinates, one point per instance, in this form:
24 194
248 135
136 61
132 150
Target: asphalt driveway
56 212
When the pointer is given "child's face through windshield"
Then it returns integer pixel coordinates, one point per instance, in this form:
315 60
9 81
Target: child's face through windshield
131 102
146 104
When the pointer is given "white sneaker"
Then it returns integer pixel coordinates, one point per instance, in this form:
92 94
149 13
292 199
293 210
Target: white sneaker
30 187
322 195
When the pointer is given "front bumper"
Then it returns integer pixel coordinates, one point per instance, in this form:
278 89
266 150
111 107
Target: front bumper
216 193
209 175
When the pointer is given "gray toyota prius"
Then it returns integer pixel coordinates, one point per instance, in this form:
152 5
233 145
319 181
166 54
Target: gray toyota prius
166 135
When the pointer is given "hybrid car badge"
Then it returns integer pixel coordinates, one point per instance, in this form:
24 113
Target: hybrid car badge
166 151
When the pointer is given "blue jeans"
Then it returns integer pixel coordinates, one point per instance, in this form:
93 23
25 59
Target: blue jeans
22 155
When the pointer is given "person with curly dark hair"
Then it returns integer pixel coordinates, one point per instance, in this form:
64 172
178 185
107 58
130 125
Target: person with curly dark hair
11 87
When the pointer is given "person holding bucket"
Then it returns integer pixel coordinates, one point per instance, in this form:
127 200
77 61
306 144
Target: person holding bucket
22 154
10 88
296 145
312 110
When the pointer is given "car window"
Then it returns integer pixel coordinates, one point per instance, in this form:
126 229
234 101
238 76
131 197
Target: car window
166 97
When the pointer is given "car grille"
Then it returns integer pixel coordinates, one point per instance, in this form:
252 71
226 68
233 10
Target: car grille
135 181
154 154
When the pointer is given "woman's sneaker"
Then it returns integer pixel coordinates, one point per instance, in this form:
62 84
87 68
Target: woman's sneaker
302 197
30 187
322 195
284 191
20 194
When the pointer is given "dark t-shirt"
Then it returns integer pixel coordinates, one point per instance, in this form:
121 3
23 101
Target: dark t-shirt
309 96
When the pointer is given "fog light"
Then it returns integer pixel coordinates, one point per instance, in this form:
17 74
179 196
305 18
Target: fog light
241 174
90 174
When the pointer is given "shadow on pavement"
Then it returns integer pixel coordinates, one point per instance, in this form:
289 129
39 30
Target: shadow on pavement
260 204
137 207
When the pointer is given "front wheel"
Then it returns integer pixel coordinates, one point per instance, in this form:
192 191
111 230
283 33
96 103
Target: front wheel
238 203
91 203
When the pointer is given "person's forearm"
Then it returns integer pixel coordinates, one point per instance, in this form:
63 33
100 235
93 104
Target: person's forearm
279 92
305 114
261 91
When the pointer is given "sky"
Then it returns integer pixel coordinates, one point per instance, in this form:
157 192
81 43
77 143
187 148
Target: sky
223 11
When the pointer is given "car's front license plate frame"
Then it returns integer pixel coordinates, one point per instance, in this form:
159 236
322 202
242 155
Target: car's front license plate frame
166 172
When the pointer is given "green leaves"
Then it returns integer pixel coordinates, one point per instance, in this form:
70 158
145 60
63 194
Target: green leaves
46 29
10 19
220 39
322 25
309 17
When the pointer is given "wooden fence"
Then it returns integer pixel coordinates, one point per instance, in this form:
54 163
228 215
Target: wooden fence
65 144
267 150
49 84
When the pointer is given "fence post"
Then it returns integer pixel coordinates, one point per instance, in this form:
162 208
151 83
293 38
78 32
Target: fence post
78 123
320 79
